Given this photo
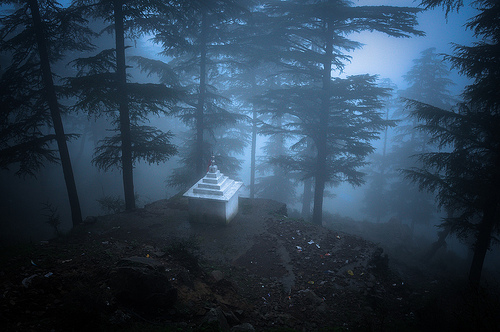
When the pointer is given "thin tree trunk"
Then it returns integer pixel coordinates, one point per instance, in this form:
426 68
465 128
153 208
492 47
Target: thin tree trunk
384 150
383 166
482 244
200 127
253 150
307 196
121 77
76 213
279 151
441 241
252 154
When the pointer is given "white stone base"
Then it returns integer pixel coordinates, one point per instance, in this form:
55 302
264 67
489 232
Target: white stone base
212 211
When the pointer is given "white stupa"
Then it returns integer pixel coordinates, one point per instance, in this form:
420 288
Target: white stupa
214 198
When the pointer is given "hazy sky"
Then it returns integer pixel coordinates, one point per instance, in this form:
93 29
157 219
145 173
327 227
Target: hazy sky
392 57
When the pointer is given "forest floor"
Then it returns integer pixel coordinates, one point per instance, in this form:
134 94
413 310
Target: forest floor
152 270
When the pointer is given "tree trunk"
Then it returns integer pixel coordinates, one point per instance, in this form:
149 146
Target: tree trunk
319 185
252 154
200 127
307 196
253 150
482 243
322 136
76 213
306 199
441 241
321 173
121 78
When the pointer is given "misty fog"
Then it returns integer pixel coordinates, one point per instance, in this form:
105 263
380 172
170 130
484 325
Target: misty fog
365 133
22 198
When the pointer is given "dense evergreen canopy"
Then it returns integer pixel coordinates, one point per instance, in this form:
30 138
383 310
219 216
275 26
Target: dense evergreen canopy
465 176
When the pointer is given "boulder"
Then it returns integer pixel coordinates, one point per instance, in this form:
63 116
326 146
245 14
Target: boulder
142 288
216 319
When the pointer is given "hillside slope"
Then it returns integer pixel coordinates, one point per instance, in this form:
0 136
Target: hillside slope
153 270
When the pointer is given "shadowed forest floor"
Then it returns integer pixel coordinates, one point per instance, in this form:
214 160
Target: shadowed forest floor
152 270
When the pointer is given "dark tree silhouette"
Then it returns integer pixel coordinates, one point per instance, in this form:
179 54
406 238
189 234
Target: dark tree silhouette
95 87
428 80
275 182
197 37
428 83
380 173
309 40
466 179
35 37
103 82
124 124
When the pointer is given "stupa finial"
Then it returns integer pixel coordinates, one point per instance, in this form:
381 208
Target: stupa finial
213 167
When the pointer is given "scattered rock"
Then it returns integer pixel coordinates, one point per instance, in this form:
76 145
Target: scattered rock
310 298
139 261
379 261
273 277
119 317
245 327
27 281
231 318
216 319
217 275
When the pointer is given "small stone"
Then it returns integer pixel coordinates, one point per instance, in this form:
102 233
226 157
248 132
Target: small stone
217 275
231 318
245 327
216 315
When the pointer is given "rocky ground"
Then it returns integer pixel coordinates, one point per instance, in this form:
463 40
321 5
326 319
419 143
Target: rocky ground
152 270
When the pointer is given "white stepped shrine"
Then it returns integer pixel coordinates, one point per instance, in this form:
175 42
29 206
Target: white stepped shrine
213 199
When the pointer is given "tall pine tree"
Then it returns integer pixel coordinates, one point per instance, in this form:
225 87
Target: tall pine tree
35 36
197 39
381 169
341 118
102 84
466 178
428 83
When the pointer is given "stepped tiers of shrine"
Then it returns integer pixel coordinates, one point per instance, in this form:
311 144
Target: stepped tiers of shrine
213 199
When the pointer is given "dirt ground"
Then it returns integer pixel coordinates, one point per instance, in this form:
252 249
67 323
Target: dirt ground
153 270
